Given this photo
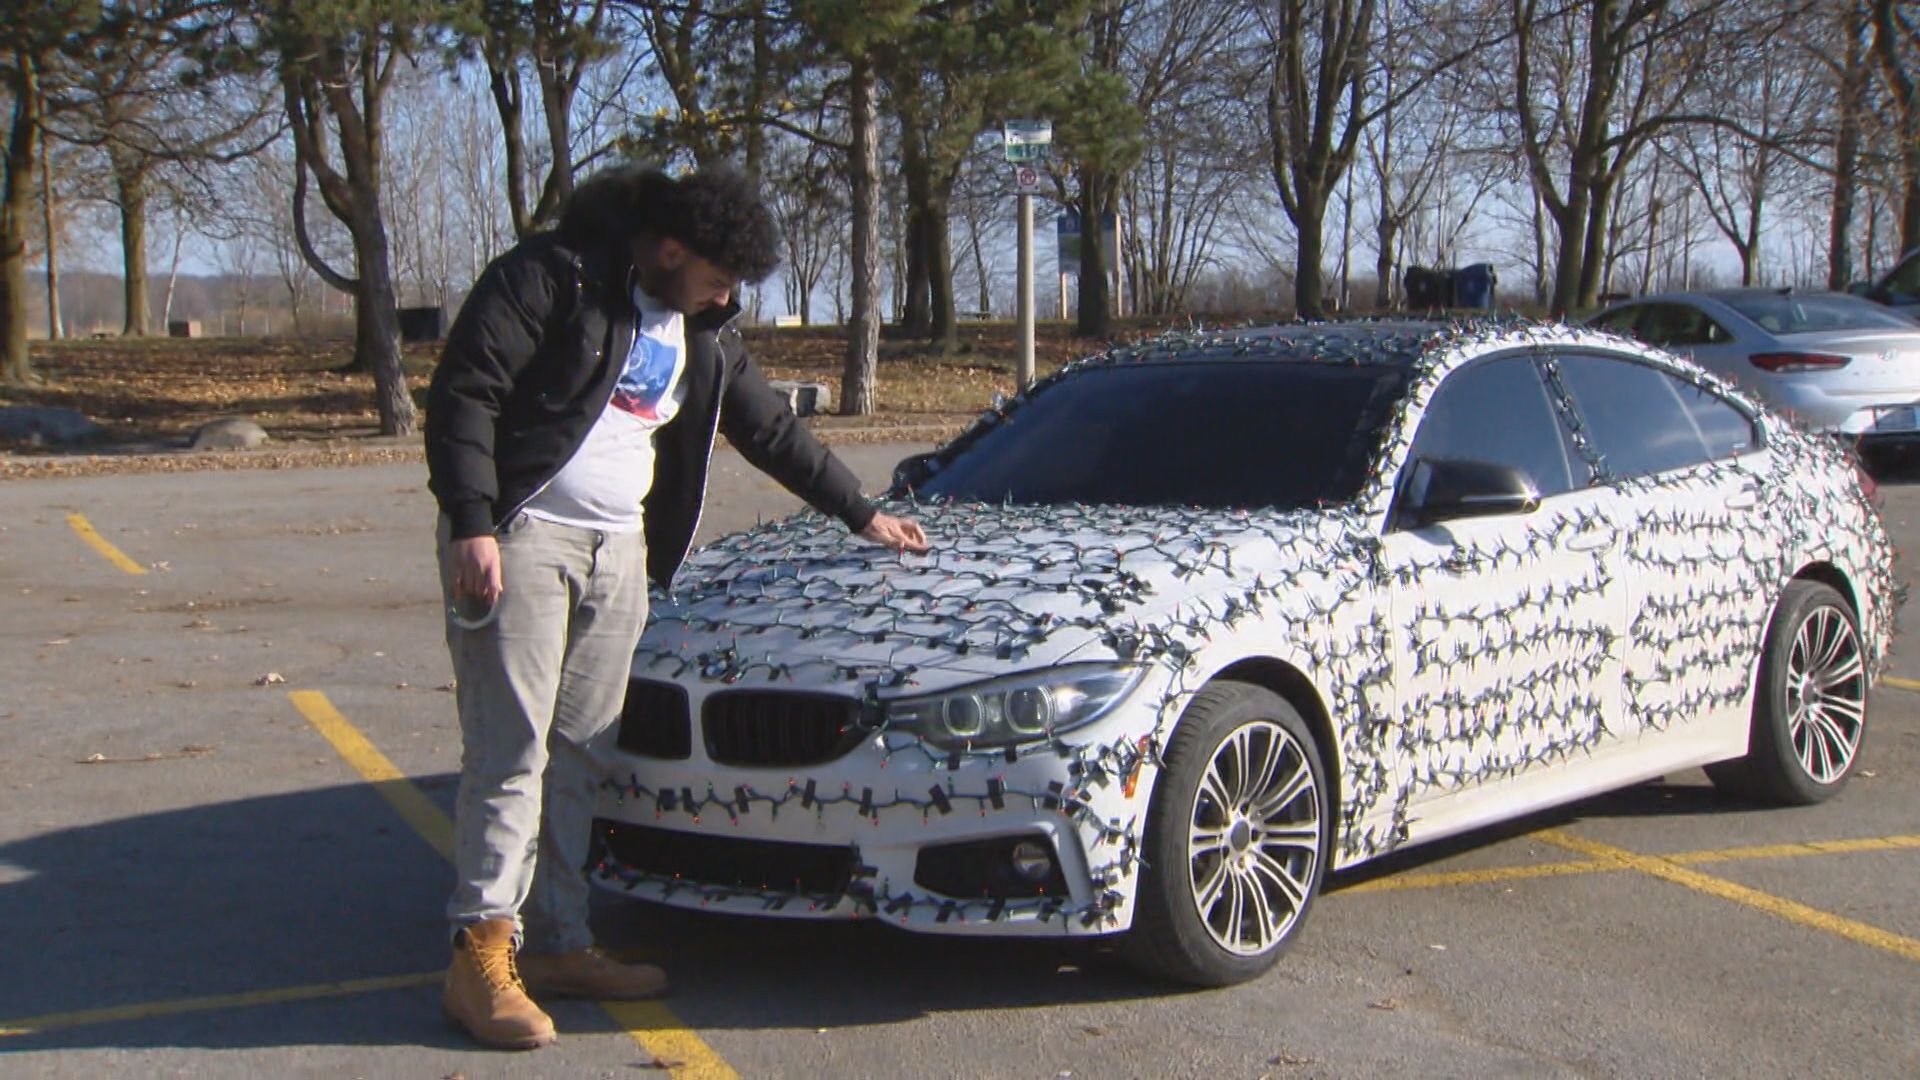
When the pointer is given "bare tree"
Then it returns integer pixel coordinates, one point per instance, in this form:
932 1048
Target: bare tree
1896 54
335 63
560 40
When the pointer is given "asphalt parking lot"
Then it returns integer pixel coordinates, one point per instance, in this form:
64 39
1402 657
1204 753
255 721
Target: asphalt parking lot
226 765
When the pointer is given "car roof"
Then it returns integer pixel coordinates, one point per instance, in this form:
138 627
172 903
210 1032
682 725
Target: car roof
1372 342
1729 293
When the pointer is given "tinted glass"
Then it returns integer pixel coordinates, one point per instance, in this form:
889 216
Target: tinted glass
1637 417
1791 314
1620 321
1680 324
1196 433
1724 429
1498 411
1904 281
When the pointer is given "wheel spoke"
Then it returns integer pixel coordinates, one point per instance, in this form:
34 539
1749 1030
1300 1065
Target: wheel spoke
1292 888
1236 910
1262 777
1207 894
1236 754
1840 674
1267 927
1830 639
1205 840
1269 806
1299 837
1844 710
1836 746
1215 788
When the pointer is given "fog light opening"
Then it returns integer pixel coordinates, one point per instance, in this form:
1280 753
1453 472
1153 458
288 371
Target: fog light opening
1032 860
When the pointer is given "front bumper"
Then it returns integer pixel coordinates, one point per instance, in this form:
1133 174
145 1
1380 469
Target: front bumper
873 834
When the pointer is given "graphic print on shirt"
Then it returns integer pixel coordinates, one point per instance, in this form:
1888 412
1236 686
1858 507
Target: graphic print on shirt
648 374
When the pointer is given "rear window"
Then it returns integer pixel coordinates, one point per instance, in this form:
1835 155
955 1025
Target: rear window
1791 314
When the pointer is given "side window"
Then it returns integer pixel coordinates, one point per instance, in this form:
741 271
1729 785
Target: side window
1680 324
1498 411
1726 431
1642 420
1620 321
1905 278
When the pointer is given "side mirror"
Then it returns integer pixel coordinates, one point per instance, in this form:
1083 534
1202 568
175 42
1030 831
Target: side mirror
913 471
1445 489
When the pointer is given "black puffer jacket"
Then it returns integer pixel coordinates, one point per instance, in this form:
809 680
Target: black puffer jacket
529 366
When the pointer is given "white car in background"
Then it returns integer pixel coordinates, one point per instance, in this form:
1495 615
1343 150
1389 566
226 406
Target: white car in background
1209 616
1836 363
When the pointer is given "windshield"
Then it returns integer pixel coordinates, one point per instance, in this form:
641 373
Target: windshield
1218 434
1790 314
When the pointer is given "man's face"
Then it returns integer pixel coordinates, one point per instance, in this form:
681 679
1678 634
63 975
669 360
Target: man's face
684 281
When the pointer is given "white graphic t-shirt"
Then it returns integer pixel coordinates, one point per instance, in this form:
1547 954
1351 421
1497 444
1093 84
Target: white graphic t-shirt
601 486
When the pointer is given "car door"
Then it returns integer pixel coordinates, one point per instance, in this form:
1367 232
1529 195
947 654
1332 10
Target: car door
1505 627
1699 555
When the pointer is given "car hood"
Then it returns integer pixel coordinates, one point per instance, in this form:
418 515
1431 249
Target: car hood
1004 588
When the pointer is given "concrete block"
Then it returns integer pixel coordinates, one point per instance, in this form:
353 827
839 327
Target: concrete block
804 398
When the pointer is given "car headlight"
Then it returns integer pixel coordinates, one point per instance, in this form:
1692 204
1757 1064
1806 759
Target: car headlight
1029 707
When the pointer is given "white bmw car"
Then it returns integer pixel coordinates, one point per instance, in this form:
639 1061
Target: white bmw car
1208 617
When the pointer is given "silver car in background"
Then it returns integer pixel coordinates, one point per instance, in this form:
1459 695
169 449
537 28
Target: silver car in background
1836 363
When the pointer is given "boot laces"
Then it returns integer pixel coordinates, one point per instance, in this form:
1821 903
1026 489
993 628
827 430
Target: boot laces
499 967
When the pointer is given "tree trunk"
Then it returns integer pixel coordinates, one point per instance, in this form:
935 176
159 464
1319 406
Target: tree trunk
1594 260
15 203
376 327
1309 280
49 208
1096 318
1846 153
130 187
858 383
916 309
945 329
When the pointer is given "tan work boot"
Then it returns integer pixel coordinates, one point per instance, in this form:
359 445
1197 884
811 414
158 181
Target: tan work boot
484 994
590 973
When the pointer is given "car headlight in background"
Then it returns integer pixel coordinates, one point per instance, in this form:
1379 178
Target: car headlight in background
1029 707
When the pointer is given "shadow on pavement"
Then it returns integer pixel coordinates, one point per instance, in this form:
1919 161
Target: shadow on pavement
326 885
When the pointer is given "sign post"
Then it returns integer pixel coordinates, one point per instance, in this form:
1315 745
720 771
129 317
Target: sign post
1026 142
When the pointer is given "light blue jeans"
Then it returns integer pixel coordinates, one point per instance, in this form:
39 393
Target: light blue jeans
539 689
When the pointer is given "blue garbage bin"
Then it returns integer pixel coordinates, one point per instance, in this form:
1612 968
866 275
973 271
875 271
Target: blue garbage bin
1427 288
1473 286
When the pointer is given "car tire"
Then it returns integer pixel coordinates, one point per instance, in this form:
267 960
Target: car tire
1809 706
1224 841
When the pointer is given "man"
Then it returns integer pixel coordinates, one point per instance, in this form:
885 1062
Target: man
569 428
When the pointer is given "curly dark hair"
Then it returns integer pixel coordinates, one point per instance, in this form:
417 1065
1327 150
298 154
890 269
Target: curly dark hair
716 212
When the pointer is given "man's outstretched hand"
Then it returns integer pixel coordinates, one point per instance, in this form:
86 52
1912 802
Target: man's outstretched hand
900 534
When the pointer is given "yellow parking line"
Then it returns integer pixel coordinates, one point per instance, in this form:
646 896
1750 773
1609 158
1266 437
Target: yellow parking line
1439 879
1797 850
413 807
649 1023
33 1025
1496 875
1904 684
99 543
1779 907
